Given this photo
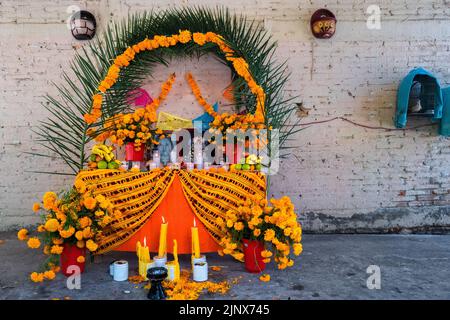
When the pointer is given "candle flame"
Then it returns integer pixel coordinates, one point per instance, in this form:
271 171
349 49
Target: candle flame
145 242
195 223
163 220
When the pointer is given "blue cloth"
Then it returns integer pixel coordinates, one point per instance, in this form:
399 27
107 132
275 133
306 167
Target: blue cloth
430 95
206 118
444 128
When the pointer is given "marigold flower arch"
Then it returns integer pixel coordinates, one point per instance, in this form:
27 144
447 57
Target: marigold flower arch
160 41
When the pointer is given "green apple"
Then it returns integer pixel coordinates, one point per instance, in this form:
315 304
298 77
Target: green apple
245 167
258 167
112 165
102 164
238 166
93 157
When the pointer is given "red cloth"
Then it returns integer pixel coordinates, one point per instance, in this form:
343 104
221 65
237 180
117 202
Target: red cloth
180 217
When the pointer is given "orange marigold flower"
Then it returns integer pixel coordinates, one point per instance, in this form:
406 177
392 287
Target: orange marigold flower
79 235
265 278
266 254
238 226
37 277
85 222
199 38
51 225
81 259
22 234
90 203
67 233
99 213
34 243
80 244
80 186
36 207
46 250
50 275
238 256
87 233
184 36
269 235
57 241
91 245
49 200
56 249
298 248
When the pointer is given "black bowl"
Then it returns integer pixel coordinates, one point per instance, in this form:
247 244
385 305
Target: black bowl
157 274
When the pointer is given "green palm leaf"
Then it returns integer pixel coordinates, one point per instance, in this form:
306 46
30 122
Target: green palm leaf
64 133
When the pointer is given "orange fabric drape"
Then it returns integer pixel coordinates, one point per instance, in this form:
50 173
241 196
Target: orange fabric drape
143 197
180 217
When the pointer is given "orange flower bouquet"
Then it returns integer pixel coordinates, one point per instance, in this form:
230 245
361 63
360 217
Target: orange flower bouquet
137 129
71 223
257 232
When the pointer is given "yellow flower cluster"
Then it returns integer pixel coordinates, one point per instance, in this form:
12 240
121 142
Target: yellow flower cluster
183 37
39 277
77 217
275 223
186 289
226 123
136 127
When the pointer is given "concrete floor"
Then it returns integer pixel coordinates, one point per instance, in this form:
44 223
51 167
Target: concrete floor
331 267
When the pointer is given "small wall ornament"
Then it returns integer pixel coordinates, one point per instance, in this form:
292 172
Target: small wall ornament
323 24
83 25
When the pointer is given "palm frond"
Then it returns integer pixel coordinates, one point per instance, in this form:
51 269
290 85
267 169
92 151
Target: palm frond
64 133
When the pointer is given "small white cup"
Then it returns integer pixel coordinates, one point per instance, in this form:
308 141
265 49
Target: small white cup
160 261
200 271
120 270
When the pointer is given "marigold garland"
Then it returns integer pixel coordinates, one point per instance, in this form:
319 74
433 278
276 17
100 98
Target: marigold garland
196 91
225 122
123 60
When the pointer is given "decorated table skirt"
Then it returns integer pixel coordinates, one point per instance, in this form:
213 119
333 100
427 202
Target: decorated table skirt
178 196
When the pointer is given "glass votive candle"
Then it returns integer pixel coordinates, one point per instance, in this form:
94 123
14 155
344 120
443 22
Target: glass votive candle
176 166
153 165
189 166
136 165
124 165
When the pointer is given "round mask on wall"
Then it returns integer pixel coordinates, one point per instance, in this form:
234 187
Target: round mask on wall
323 24
83 25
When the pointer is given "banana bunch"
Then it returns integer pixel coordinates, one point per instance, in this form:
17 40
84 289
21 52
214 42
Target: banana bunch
252 159
102 157
104 151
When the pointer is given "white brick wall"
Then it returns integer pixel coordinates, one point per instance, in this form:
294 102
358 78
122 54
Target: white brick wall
339 169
